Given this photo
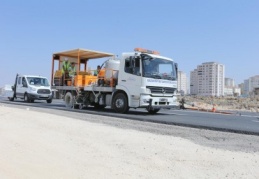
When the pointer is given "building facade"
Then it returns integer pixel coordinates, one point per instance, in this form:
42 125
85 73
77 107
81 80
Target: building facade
230 89
208 79
182 83
251 84
194 82
229 82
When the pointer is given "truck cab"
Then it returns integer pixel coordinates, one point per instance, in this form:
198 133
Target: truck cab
30 88
148 79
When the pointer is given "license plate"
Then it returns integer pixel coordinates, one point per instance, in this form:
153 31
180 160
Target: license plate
163 100
44 95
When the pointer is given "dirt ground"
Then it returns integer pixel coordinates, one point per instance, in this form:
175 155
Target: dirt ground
40 145
248 104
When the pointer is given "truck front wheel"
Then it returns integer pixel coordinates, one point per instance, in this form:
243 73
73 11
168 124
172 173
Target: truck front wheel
49 100
120 103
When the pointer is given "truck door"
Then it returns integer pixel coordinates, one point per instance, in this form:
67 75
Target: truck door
131 79
22 87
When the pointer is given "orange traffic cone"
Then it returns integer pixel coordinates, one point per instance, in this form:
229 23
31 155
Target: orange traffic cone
213 109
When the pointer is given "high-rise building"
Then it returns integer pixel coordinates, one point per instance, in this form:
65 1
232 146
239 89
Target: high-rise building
251 84
182 83
208 79
246 87
241 86
230 89
194 82
229 82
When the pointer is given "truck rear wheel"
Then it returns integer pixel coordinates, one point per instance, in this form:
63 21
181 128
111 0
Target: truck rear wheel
120 103
69 101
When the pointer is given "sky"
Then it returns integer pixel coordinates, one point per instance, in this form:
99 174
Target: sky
190 32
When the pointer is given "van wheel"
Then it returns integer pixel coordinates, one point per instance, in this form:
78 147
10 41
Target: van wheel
49 101
26 98
153 111
69 101
11 98
120 103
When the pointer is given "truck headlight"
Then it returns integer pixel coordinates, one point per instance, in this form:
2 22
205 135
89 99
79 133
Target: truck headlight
148 90
146 100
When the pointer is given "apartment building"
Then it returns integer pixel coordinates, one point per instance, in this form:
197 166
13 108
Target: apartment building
194 82
251 84
208 79
182 83
229 82
230 89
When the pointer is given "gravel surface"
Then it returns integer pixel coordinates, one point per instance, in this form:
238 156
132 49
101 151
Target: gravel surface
46 143
223 140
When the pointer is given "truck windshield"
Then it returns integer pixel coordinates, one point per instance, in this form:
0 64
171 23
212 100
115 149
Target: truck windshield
158 68
36 81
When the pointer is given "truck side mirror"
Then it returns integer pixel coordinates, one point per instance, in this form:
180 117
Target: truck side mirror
176 70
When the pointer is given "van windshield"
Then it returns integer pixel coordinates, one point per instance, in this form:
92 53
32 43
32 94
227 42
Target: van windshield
36 81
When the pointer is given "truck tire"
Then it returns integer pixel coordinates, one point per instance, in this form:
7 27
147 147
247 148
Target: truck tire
153 111
69 100
120 103
26 98
49 100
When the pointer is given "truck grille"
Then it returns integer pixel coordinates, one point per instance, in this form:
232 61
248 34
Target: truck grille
43 91
161 90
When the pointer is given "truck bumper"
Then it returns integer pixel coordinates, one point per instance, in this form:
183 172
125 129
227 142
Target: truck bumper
159 102
40 96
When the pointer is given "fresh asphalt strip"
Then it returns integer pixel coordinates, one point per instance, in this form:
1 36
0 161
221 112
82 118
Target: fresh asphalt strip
131 116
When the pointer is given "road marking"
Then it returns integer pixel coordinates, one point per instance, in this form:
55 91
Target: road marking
255 121
173 113
249 116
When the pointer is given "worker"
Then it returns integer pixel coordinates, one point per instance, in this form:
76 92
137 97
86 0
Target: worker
96 72
182 102
72 72
100 75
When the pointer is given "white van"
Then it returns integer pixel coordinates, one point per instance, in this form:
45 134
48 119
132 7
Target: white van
30 88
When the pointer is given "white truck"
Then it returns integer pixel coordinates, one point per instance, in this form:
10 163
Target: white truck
30 88
139 79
